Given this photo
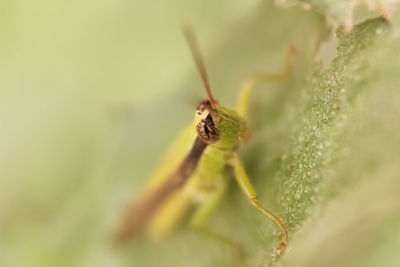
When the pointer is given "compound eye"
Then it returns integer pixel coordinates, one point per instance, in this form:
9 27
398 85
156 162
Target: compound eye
207 131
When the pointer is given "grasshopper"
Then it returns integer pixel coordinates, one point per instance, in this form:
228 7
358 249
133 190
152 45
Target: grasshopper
193 170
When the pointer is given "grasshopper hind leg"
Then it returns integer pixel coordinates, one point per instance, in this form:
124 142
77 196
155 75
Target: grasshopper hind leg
249 83
169 214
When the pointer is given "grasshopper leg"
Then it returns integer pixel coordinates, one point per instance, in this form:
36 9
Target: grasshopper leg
167 217
248 190
201 215
249 83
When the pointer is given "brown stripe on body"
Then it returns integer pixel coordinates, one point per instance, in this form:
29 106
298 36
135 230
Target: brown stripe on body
139 215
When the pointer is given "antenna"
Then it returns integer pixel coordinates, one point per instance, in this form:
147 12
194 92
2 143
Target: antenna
194 48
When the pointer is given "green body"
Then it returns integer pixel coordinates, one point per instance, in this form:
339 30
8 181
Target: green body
207 181
222 130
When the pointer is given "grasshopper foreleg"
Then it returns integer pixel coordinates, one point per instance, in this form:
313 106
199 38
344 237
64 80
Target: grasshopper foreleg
248 190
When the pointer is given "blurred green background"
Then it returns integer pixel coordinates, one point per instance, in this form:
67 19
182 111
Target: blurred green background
91 93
